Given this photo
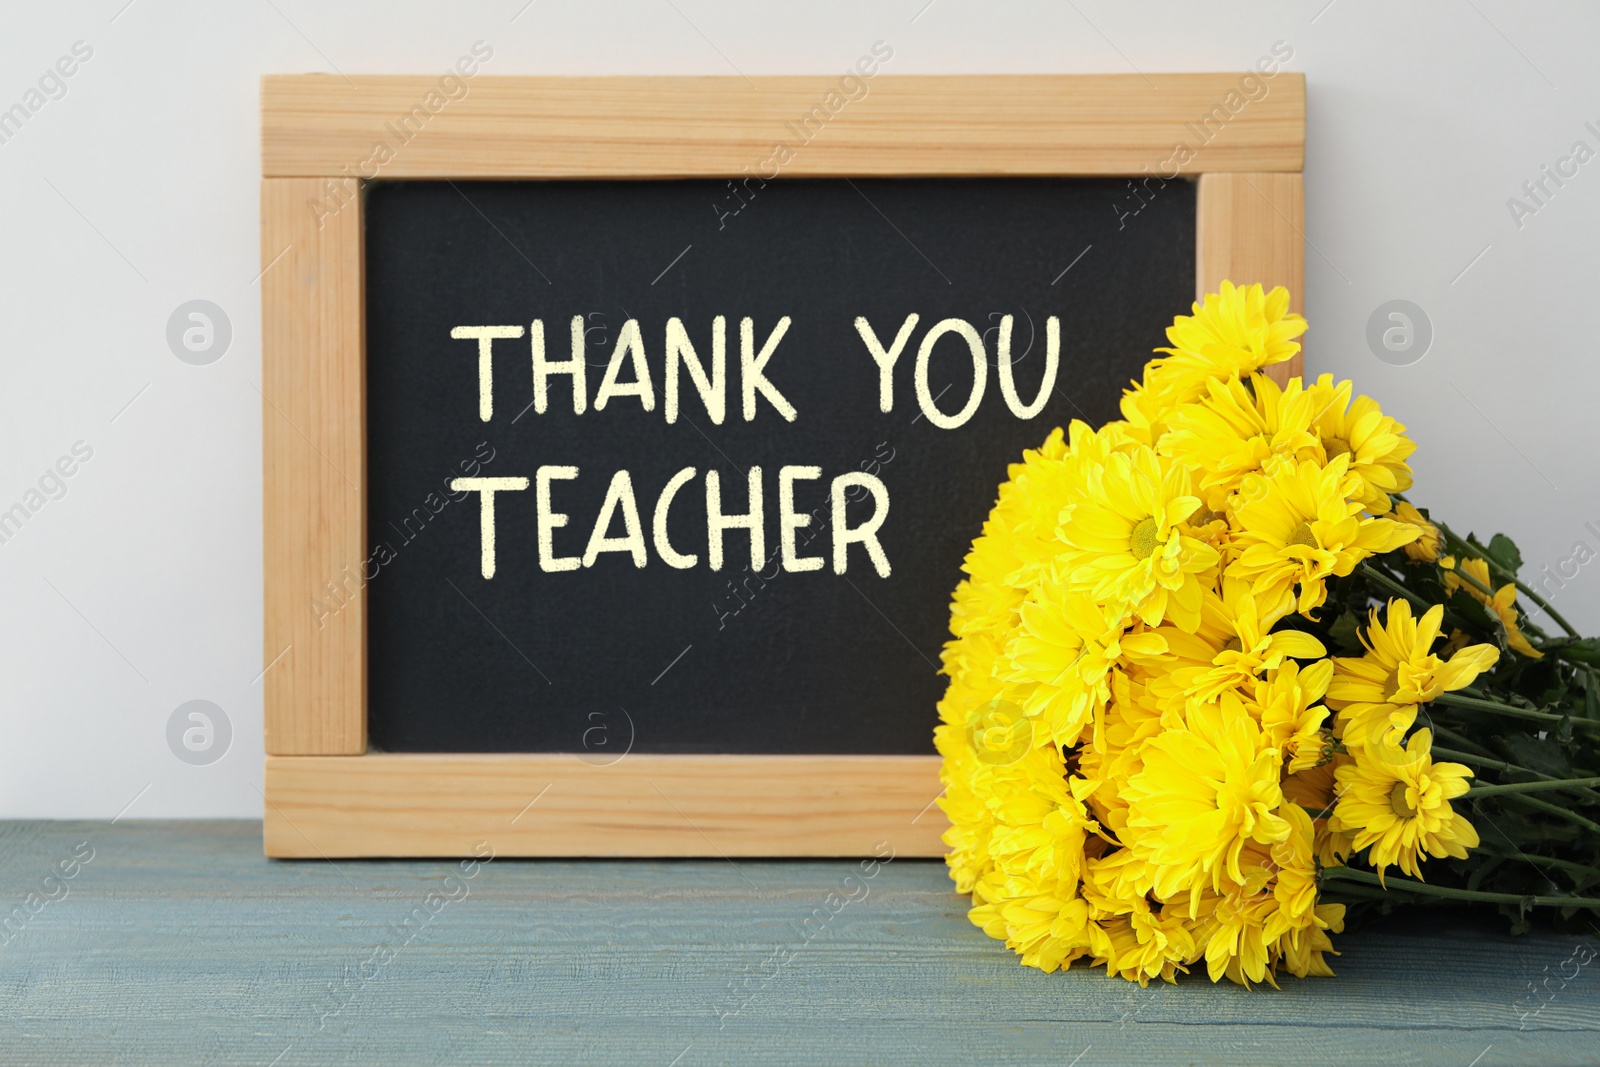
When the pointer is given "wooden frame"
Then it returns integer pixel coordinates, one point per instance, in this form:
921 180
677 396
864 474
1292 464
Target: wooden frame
325 795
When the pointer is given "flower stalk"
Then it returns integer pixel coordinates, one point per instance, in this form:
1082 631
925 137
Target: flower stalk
1424 889
1478 792
1500 707
1473 759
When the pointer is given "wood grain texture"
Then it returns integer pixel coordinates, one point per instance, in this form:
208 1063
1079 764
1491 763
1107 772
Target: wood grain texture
179 944
555 804
313 458
1251 228
665 127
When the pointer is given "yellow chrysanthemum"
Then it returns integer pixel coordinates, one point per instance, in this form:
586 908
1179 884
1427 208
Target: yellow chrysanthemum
1030 504
1502 602
1019 532
1300 527
1206 789
1042 837
1286 706
1048 930
1144 943
1060 653
1232 333
964 802
1304 947
1316 791
1235 931
1300 928
1123 541
984 602
1252 648
999 732
1272 915
1167 679
1376 444
1425 549
1378 693
1237 429
1138 758
1129 721
1398 802
1145 414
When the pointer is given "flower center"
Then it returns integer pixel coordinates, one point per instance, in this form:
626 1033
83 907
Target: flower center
1397 800
1142 542
1334 447
1233 644
1205 516
1302 535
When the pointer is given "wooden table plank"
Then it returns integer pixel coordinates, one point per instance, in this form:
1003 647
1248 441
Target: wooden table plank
178 942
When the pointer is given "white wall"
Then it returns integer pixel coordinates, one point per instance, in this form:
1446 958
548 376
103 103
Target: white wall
140 589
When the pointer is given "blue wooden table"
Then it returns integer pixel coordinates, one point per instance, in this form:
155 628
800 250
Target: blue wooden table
178 943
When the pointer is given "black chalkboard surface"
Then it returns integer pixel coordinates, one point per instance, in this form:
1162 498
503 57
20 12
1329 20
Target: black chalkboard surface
749 658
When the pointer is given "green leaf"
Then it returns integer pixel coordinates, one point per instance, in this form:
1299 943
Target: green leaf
1504 551
1427 580
1475 614
1501 549
1345 633
1520 923
1485 868
1544 756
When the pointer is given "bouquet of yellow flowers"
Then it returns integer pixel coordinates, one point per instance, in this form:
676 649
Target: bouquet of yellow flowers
1212 678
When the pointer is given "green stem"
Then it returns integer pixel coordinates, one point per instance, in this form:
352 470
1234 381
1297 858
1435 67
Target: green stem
1555 809
1470 580
1479 791
1383 581
1469 547
1483 761
1423 889
1517 853
1358 893
1501 765
1460 739
1455 700
1394 588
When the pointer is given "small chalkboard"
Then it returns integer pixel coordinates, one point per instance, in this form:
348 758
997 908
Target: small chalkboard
505 612
560 372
